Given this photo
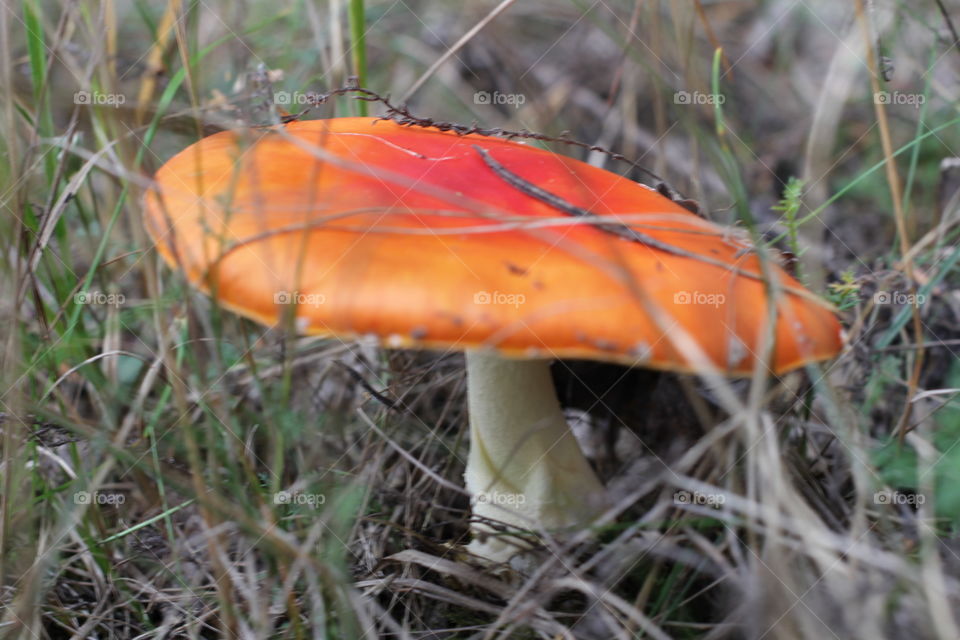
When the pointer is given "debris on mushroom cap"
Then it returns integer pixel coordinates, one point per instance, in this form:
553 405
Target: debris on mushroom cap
428 238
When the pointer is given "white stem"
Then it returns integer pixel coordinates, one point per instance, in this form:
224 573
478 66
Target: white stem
525 467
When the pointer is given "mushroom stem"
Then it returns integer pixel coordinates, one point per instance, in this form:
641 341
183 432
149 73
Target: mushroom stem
525 467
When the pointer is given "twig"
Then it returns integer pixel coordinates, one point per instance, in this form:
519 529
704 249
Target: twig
459 44
893 180
620 230
377 395
402 116
946 18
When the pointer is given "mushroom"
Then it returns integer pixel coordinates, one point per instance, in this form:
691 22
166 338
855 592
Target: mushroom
516 255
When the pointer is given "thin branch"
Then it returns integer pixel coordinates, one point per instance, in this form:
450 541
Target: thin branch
617 229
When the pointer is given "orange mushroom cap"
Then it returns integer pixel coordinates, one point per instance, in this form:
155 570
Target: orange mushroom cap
414 236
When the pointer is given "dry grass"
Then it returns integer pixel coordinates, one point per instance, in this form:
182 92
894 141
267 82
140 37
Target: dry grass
145 432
